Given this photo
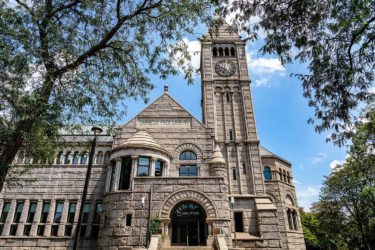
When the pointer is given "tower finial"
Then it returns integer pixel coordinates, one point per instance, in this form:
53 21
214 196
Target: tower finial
166 87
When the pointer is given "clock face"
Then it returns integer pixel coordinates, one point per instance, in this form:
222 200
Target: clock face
225 68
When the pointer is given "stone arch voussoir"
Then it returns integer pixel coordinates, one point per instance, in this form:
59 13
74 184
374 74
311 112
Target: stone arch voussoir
188 146
188 195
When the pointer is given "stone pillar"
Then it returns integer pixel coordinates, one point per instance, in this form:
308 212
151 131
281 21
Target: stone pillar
134 170
38 212
116 180
166 169
152 167
51 214
9 219
23 218
64 217
108 178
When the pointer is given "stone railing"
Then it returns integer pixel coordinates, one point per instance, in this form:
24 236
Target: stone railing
220 242
154 243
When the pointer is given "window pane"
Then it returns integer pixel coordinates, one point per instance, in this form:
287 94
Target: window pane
143 161
142 171
158 168
5 212
58 211
76 158
193 171
267 173
17 214
32 209
184 171
84 158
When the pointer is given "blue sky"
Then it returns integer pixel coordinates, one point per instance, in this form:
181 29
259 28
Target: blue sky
281 117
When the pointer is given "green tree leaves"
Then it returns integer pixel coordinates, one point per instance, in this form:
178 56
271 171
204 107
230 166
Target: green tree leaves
334 38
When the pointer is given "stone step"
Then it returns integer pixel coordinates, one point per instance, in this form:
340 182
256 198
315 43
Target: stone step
186 248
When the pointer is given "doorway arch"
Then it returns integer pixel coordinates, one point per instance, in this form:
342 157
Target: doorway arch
189 227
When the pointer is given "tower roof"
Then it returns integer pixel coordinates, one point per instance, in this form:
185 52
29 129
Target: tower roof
142 139
221 30
217 156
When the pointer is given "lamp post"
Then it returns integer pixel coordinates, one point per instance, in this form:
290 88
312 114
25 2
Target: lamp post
96 131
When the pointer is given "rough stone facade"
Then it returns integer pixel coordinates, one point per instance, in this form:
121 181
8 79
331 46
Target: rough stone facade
165 165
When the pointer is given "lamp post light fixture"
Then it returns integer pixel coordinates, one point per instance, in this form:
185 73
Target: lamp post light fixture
96 131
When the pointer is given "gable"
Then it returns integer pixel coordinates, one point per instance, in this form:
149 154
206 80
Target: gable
164 111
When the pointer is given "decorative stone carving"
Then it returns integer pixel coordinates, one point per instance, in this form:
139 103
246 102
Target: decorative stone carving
188 195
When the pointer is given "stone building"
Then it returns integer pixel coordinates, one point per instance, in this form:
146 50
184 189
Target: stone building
209 183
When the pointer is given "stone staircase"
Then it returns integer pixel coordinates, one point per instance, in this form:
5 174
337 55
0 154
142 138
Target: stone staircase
186 248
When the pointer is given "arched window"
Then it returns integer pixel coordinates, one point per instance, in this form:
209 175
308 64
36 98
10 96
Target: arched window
107 157
188 155
294 217
68 158
214 51
290 219
232 52
188 169
84 158
99 158
267 173
59 158
226 51
221 52
76 158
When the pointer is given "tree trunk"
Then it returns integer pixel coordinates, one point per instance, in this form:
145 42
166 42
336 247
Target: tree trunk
22 128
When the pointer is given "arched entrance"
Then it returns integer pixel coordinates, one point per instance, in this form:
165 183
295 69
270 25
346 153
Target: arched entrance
189 226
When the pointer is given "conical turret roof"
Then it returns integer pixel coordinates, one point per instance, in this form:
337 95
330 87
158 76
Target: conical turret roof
217 156
142 139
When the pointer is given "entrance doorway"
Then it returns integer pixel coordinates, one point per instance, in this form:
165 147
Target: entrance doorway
189 226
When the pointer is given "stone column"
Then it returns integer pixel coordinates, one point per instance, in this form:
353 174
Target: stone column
134 170
38 212
116 180
64 217
108 178
152 167
10 217
23 218
166 169
51 214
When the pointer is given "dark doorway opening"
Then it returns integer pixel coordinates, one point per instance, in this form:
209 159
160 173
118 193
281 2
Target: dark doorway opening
238 221
189 226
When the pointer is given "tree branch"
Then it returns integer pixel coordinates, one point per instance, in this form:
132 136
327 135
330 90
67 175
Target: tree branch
107 37
354 37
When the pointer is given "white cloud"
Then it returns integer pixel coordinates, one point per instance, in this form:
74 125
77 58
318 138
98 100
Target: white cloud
320 157
262 82
263 68
296 182
307 196
335 163
372 90
263 65
194 48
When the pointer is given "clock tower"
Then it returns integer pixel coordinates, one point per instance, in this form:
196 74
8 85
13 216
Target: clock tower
228 108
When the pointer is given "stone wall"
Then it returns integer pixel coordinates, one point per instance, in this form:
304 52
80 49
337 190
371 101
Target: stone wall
209 192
